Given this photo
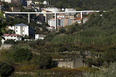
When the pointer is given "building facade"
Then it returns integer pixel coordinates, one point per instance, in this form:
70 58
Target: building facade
22 29
29 2
60 22
14 37
9 1
22 2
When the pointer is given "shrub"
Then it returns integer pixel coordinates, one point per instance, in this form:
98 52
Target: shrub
30 67
22 54
109 72
5 69
9 42
45 61
109 55
66 72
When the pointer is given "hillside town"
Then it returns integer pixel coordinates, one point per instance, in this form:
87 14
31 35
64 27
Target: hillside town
57 38
22 30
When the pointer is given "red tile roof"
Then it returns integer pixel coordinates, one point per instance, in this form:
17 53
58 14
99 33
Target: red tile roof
79 18
52 26
11 35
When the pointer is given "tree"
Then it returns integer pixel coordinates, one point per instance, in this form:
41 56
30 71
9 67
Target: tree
45 61
89 62
109 55
10 31
71 29
62 30
5 69
22 54
2 23
9 42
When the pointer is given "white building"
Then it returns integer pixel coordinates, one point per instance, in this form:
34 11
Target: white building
60 16
51 9
9 1
22 29
61 22
29 2
70 9
51 22
14 37
37 2
46 2
13 1
37 36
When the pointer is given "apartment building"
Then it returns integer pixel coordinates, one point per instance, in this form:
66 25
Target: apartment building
60 22
22 29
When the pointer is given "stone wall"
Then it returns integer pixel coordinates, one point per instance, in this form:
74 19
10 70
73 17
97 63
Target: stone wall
66 64
75 63
5 46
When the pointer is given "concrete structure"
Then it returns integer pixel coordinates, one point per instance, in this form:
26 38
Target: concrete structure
60 16
70 9
71 63
22 2
55 14
37 36
79 20
51 22
22 29
9 1
46 2
60 22
47 16
14 37
65 64
29 2
51 9
37 2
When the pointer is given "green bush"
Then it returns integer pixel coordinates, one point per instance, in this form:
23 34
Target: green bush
5 69
22 54
44 61
109 55
9 42
109 72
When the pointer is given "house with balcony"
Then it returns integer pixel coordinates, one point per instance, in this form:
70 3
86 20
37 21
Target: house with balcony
23 30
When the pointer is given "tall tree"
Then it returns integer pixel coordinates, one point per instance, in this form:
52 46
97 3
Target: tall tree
2 23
